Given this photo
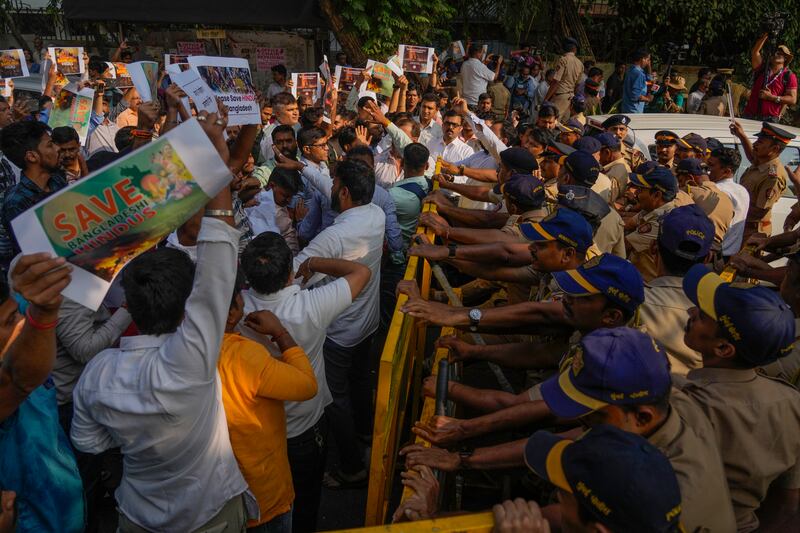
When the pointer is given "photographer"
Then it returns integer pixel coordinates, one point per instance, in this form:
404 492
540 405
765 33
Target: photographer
774 85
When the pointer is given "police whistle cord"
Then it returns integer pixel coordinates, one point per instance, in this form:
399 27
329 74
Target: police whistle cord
477 339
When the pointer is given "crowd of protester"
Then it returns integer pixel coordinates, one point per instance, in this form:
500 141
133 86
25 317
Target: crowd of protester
652 392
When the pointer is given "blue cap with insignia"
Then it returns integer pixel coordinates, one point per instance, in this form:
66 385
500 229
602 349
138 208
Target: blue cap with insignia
609 140
525 190
690 165
687 232
753 318
607 274
563 225
585 201
582 166
587 144
657 177
616 120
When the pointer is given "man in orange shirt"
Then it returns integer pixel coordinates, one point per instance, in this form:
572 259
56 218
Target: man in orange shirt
130 117
254 387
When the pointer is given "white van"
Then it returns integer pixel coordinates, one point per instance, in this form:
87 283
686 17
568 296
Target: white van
644 127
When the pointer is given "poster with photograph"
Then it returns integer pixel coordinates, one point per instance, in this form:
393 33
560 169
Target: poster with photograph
456 51
417 59
381 79
117 76
328 97
173 59
73 107
195 88
346 77
192 48
5 88
103 221
13 64
306 84
144 75
266 58
230 80
60 79
69 60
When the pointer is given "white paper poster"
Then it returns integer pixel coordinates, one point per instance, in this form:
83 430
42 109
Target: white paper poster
306 84
13 64
230 80
418 59
194 87
144 75
106 219
69 59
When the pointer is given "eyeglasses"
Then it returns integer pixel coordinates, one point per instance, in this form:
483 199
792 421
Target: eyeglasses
318 145
451 124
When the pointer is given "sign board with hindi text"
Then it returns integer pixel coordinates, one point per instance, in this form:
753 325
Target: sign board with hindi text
103 221
210 34
191 48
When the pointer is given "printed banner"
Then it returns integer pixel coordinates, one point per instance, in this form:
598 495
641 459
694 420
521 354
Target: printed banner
306 84
195 88
59 82
230 80
144 75
117 76
346 77
381 80
73 108
191 48
266 58
69 60
103 221
13 64
174 59
418 59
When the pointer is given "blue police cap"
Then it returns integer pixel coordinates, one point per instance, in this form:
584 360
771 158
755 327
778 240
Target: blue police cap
687 232
519 159
659 178
613 277
621 480
587 144
583 167
585 201
754 318
615 120
563 225
525 190
616 366
609 140
690 165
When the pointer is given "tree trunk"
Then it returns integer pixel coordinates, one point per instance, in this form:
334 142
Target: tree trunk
11 24
350 42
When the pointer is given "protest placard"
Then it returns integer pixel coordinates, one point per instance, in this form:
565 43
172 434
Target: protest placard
191 48
381 80
417 59
69 60
174 59
266 58
73 107
195 88
330 90
394 65
306 84
5 88
144 75
484 51
13 64
456 50
103 221
346 77
117 76
230 80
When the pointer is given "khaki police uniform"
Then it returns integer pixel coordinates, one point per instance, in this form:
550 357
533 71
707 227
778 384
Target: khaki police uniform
632 155
520 292
568 73
646 232
618 170
687 439
765 183
757 423
610 235
714 203
787 368
714 105
606 188
663 316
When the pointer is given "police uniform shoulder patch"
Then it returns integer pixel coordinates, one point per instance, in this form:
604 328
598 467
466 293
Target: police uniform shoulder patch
645 228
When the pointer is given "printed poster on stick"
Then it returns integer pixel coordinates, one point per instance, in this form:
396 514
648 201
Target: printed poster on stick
103 221
191 48
266 58
306 84
230 80
69 60
73 108
418 59
13 64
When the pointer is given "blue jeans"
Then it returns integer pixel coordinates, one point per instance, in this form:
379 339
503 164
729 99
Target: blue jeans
280 524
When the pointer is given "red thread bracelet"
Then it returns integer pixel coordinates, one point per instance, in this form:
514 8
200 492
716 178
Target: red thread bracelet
38 325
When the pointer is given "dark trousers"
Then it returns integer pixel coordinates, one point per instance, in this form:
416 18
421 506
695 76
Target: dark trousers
347 373
391 274
307 453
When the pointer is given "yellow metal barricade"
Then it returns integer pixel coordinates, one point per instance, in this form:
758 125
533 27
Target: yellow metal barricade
474 523
400 362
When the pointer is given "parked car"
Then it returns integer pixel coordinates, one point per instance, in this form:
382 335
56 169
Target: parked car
643 128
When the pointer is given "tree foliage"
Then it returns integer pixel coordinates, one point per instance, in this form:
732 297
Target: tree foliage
384 24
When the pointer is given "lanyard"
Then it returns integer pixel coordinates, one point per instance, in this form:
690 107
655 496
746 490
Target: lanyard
767 80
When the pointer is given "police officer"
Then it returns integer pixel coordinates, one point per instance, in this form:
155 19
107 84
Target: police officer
695 187
737 328
552 160
666 146
570 132
581 168
568 72
692 145
618 125
685 238
614 165
608 227
656 190
766 178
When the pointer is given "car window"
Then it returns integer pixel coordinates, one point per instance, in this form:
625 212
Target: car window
790 157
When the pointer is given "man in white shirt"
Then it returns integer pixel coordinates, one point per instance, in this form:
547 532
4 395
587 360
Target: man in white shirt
158 397
306 315
102 136
429 129
475 76
722 165
271 214
696 97
450 147
285 110
278 84
356 234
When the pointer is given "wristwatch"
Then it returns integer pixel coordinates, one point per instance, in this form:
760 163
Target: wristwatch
463 454
451 249
777 99
475 316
